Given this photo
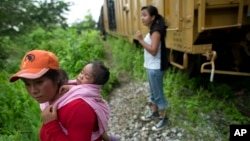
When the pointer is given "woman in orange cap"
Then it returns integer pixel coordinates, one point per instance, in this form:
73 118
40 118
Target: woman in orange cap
65 118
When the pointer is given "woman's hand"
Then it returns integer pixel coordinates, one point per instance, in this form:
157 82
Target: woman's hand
49 114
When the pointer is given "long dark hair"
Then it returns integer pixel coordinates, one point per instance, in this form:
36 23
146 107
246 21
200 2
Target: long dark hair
158 23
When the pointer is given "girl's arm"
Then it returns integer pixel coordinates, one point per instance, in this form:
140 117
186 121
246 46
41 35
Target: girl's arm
155 41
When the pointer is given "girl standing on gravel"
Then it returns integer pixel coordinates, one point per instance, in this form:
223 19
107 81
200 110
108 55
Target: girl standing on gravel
155 62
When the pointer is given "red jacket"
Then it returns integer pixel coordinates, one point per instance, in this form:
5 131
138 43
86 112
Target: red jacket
77 117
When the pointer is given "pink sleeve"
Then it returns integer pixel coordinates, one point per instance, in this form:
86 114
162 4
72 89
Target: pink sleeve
72 82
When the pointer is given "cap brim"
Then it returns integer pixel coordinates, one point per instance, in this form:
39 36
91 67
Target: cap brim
29 74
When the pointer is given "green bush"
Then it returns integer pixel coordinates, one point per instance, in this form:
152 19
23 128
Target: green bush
20 114
127 57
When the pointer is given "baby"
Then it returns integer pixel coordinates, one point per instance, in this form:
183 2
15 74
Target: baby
92 73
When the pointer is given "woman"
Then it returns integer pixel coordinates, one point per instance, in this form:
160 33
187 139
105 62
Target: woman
155 62
64 119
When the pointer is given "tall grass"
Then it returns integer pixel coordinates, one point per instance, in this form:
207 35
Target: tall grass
20 118
127 58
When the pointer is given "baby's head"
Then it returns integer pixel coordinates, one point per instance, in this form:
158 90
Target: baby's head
94 72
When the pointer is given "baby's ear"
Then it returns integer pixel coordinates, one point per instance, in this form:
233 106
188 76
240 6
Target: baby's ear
63 89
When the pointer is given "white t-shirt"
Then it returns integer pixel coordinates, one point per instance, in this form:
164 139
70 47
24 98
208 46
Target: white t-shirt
150 61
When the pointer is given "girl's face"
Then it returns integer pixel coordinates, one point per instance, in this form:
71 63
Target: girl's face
41 89
147 20
85 77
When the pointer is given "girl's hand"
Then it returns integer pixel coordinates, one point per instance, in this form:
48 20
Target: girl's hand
49 114
139 35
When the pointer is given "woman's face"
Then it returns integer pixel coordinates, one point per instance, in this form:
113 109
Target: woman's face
146 18
41 89
85 77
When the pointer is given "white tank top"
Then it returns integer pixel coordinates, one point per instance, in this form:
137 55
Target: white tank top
150 61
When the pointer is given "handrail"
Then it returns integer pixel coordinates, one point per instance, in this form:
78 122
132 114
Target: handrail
185 60
214 54
213 71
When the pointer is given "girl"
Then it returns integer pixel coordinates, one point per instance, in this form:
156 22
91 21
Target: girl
155 62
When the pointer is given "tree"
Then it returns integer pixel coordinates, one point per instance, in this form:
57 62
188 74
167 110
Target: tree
22 16
18 16
87 23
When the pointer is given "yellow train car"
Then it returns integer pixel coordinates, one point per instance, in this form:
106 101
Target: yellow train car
212 35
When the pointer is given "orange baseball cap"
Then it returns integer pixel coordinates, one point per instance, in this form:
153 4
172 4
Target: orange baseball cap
35 64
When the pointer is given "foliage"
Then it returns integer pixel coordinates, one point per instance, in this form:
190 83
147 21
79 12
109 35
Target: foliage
16 107
127 57
4 52
202 107
72 49
88 23
26 14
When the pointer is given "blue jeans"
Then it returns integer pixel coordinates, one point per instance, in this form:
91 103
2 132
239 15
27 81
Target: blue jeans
155 79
